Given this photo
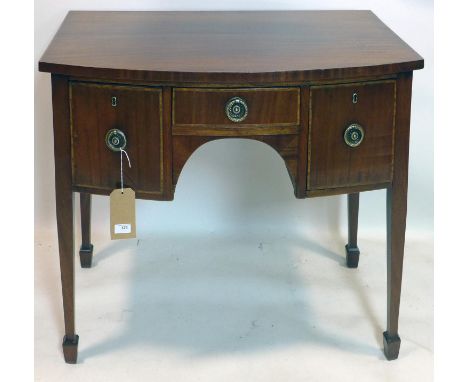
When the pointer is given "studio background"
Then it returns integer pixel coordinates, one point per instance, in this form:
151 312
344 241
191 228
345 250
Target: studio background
241 185
236 279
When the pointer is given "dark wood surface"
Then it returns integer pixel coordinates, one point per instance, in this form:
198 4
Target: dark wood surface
352 249
307 64
64 210
285 145
267 107
302 157
138 114
396 215
168 189
334 164
86 248
265 46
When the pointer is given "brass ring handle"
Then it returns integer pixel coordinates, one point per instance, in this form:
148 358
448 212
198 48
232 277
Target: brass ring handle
236 109
353 135
116 140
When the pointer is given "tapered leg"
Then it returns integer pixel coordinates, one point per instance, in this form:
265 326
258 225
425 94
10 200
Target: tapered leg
352 250
64 211
64 205
86 249
396 222
396 215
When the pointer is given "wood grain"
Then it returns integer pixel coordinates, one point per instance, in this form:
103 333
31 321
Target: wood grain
267 107
331 162
302 155
139 115
64 210
347 190
396 215
284 145
168 193
172 73
264 46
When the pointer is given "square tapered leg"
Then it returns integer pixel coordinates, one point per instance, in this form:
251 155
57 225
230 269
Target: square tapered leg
70 348
352 256
86 249
86 256
391 346
352 250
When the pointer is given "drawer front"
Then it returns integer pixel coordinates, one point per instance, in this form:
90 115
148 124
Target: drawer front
265 107
137 112
336 110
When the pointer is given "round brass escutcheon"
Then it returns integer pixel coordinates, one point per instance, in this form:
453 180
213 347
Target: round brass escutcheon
116 140
353 135
236 109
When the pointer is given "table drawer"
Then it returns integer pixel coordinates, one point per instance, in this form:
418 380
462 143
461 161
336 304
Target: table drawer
342 115
231 108
136 111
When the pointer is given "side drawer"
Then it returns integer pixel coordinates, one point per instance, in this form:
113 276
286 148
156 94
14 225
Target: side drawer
333 163
137 112
267 108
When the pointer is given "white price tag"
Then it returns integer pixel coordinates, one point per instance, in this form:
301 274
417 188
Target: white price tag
123 228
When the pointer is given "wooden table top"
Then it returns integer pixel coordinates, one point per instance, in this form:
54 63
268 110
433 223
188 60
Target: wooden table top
264 46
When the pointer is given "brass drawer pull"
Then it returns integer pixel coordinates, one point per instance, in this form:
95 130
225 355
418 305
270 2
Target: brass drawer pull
116 140
353 135
236 109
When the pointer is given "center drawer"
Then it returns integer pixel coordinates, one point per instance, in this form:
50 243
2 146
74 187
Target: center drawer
220 110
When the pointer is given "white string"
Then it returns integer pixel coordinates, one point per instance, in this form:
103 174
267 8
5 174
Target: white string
121 168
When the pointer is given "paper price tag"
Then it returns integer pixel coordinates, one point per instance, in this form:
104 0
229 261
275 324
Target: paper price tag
123 228
122 214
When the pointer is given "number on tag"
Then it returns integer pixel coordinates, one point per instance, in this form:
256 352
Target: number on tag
123 228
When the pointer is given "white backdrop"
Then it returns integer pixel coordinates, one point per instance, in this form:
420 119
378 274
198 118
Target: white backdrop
219 189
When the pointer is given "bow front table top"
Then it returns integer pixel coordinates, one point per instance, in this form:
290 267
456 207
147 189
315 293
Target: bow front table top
330 91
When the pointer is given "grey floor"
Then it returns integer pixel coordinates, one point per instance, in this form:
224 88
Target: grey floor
234 308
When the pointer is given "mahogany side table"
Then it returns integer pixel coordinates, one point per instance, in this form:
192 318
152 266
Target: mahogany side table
330 91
